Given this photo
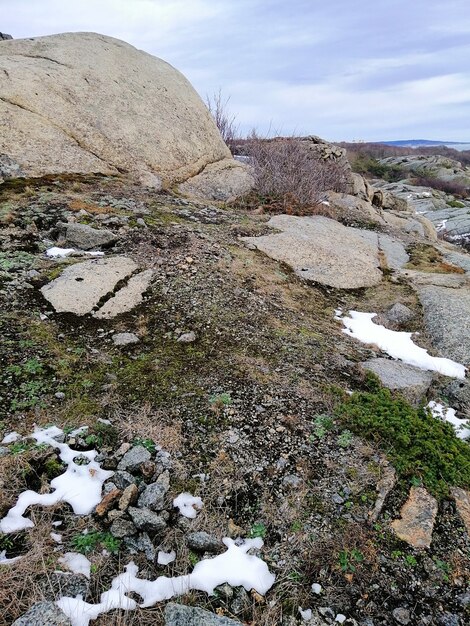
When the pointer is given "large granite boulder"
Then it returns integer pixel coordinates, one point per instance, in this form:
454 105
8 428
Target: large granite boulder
435 166
88 103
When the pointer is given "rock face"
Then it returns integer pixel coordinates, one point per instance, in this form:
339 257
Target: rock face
180 615
462 503
87 103
322 250
410 381
43 614
431 165
417 519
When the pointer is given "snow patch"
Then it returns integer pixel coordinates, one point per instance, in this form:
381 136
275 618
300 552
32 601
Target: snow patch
316 588
59 253
56 537
164 558
398 345
11 437
76 563
305 614
235 567
80 485
461 426
188 504
4 560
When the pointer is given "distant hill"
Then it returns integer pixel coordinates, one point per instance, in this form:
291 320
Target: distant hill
415 143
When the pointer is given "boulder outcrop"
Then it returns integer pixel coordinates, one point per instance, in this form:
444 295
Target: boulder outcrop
87 103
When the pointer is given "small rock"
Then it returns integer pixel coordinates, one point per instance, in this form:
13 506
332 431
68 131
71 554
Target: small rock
124 339
141 543
145 519
122 528
115 514
180 615
399 314
153 497
123 479
108 502
448 619
202 542
401 615
417 519
148 469
187 337
58 584
241 603
133 458
125 446
337 499
86 238
291 480
129 496
43 614
462 503
60 395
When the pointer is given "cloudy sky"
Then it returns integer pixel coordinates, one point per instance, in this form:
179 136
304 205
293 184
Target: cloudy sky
342 69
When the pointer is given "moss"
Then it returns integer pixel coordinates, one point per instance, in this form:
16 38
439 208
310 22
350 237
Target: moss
419 445
426 258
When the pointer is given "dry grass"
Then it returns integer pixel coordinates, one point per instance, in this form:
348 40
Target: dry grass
144 421
94 209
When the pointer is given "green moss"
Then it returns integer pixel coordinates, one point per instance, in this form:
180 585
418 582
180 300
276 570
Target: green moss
455 204
419 445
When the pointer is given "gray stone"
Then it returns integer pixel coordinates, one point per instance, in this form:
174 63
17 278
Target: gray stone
4 451
133 459
180 615
399 314
223 182
122 528
153 497
187 337
241 603
457 393
410 381
123 479
127 297
201 541
447 320
352 210
81 286
401 615
322 250
87 238
391 249
43 614
145 519
124 339
141 543
58 584
448 619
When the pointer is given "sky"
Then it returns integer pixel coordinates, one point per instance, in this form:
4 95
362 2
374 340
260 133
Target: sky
342 69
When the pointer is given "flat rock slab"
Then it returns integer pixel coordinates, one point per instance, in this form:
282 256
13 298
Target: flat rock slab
80 287
410 381
322 250
462 502
418 515
447 320
126 298
181 615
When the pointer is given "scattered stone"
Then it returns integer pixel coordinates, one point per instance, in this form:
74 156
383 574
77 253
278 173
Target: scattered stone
81 286
180 615
462 503
399 314
410 381
60 395
145 519
417 519
123 479
148 469
448 619
126 298
108 502
133 459
383 488
122 528
322 250
153 497
202 542
129 497
241 603
187 337
85 237
292 481
141 543
401 615
337 499
58 584
43 614
124 339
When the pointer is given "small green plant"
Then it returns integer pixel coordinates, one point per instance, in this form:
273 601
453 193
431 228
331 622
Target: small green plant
321 425
349 559
444 567
455 204
193 558
110 543
148 444
6 542
222 399
19 447
258 530
410 560
344 439
86 543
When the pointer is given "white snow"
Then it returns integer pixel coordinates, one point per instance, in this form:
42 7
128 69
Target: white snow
56 537
76 563
93 252
188 504
340 618
461 426
164 558
398 345
316 588
78 431
59 253
4 560
104 421
11 437
305 614
235 567
79 485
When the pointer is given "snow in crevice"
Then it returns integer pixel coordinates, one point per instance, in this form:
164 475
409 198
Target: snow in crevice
235 567
461 426
80 485
398 345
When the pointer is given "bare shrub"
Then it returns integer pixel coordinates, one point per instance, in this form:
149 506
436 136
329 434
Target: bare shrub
290 178
225 121
447 186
